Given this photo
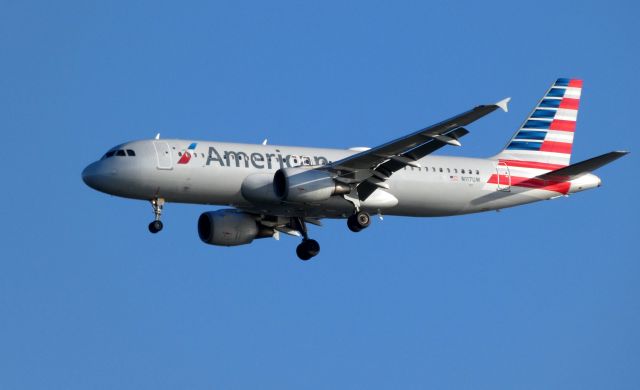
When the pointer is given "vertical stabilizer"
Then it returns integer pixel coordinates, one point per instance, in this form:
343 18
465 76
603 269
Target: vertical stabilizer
545 139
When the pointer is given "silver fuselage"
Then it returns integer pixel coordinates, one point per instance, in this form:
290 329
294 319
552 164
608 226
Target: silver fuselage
216 171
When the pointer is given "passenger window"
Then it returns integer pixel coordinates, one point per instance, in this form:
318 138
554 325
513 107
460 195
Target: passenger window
120 153
477 172
462 171
179 154
448 170
433 168
440 169
455 170
131 153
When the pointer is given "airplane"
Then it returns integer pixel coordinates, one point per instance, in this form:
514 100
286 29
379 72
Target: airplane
281 189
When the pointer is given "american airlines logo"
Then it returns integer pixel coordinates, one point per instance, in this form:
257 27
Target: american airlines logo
277 160
186 157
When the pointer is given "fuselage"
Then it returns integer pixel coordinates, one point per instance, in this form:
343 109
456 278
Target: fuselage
202 172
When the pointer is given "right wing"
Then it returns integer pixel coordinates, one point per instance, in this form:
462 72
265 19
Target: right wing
371 168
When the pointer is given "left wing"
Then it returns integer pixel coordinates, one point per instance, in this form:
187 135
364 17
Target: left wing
371 168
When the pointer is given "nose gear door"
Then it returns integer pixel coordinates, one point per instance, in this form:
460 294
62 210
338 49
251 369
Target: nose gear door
163 154
504 177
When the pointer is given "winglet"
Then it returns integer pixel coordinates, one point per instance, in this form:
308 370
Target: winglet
504 104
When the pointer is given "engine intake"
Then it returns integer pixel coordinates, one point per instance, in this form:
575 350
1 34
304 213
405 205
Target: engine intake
304 185
230 227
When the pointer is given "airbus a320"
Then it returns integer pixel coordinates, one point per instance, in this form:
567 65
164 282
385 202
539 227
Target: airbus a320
282 189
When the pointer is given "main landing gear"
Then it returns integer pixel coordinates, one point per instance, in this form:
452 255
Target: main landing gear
156 225
308 248
359 221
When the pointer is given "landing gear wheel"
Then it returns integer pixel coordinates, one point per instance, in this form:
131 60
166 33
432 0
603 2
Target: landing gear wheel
358 221
308 249
158 205
155 226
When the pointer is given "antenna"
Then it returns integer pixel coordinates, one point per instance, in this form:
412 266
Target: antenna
158 136
265 141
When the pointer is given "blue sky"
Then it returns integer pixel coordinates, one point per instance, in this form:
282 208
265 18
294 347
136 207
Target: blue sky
542 296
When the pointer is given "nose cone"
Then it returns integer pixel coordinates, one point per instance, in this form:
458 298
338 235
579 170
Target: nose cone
91 176
101 176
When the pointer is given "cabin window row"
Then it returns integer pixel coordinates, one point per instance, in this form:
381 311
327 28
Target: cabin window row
450 170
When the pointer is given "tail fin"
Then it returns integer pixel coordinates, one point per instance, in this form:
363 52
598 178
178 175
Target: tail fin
545 139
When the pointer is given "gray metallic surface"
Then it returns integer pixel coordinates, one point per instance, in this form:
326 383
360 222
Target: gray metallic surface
210 177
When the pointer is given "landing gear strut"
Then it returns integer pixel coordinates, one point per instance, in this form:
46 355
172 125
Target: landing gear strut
308 248
156 225
358 221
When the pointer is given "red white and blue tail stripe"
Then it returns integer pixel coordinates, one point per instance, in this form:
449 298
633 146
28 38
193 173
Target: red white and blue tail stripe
545 139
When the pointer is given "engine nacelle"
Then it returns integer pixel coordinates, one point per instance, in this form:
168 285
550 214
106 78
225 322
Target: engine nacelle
230 227
306 185
258 188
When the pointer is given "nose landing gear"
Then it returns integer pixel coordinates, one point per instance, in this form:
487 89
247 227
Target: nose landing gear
156 225
359 221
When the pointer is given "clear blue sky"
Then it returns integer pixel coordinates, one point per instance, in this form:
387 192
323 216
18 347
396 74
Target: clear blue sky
545 296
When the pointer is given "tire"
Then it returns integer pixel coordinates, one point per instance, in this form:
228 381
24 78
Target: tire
359 221
308 249
302 253
313 247
155 226
352 224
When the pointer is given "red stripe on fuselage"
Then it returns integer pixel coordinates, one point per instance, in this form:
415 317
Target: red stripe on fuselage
531 182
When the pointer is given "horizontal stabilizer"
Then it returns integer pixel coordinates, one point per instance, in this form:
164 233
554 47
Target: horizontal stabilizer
583 167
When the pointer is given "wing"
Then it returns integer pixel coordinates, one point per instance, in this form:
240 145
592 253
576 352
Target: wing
371 168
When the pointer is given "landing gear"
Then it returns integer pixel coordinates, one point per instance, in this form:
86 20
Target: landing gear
156 225
358 221
308 248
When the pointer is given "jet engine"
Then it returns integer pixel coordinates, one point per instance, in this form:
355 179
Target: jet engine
306 185
258 188
230 227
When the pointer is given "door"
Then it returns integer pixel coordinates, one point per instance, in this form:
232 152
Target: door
504 177
163 155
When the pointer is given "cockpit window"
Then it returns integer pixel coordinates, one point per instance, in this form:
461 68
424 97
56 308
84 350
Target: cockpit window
130 152
120 153
110 154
